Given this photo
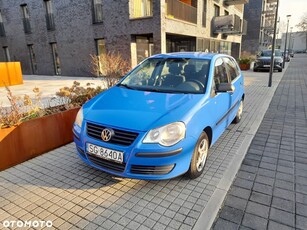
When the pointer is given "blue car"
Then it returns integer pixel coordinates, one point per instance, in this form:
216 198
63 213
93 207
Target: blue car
159 121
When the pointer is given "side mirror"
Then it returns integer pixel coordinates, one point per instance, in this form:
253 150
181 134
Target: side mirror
225 87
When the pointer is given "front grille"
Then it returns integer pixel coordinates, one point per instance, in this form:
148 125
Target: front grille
153 170
120 137
110 165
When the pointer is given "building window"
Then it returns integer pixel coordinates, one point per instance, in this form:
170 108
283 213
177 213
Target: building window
101 51
101 47
6 54
226 12
2 31
26 18
216 11
205 14
142 8
56 58
144 47
32 58
49 15
97 11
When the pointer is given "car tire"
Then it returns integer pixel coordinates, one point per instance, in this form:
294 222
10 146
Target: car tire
280 70
238 116
199 157
255 70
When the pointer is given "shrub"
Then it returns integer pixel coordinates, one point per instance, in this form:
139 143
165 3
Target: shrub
25 108
111 66
245 60
76 95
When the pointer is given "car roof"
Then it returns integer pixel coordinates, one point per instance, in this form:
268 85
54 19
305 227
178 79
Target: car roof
198 55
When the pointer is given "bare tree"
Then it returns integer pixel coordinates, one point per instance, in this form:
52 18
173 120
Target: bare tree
111 66
303 26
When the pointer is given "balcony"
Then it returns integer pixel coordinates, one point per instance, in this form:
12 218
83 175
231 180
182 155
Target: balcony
235 2
228 25
182 11
50 22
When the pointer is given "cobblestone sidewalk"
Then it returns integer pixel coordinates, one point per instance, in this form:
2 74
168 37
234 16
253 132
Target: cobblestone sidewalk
59 187
270 190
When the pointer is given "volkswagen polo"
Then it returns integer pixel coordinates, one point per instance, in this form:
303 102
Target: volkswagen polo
159 121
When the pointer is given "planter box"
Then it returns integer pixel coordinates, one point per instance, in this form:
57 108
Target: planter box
244 66
35 137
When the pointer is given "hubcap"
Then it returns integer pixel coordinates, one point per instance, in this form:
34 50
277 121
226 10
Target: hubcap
202 154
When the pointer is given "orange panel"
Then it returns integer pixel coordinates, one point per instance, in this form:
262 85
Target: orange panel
10 73
189 2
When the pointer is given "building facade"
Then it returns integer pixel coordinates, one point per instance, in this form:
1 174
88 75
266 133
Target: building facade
260 16
296 41
53 37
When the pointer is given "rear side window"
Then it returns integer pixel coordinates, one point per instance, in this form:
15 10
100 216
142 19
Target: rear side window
232 68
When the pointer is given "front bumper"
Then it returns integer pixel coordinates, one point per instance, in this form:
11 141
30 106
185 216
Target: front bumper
266 66
141 161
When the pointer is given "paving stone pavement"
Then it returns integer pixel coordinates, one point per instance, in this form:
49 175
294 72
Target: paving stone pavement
59 187
270 189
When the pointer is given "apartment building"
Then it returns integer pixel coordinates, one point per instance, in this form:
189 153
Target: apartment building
52 37
260 16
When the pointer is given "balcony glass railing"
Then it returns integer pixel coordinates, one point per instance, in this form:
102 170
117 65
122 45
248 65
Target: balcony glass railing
181 11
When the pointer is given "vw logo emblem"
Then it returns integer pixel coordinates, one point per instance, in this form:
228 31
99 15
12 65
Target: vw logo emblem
107 134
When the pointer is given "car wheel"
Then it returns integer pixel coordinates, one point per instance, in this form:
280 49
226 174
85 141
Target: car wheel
239 113
199 157
255 70
280 70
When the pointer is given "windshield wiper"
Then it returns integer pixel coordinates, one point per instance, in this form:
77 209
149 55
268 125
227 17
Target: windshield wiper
126 86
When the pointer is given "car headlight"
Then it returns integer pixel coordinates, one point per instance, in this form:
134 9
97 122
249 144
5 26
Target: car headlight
279 60
167 135
79 117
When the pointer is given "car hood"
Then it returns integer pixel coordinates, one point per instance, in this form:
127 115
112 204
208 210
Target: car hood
138 110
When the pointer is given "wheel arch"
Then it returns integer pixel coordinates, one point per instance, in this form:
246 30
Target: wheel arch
208 131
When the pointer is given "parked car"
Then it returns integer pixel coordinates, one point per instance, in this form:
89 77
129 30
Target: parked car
291 53
159 121
263 60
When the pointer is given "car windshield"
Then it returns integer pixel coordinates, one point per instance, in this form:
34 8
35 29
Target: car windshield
170 75
267 53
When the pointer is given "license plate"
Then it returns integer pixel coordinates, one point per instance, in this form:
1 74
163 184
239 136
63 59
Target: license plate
266 65
105 153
